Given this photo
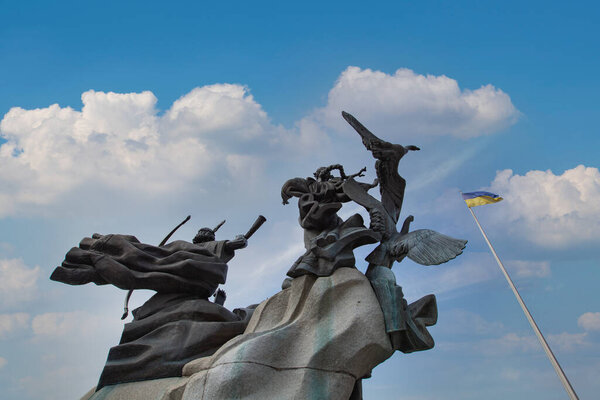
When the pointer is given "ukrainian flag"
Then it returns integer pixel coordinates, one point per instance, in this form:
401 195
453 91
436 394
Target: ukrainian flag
480 198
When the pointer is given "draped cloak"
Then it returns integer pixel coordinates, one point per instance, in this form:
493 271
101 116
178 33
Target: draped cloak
178 324
329 240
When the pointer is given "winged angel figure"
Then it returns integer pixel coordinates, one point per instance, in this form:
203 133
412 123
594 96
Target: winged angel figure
423 246
405 323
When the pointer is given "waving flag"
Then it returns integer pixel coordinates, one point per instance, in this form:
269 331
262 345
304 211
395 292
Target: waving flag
474 199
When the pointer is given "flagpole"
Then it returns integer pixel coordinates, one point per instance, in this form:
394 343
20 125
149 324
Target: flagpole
561 375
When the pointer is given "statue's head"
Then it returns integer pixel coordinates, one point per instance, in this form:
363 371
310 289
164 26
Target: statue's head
323 174
204 235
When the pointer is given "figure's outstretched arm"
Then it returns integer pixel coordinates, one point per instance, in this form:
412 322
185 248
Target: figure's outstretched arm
359 173
239 242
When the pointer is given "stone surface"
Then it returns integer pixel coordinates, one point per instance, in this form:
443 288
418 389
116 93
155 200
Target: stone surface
312 340
156 389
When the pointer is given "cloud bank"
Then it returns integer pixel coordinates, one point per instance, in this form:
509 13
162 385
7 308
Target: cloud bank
121 143
411 104
590 321
551 210
10 323
18 283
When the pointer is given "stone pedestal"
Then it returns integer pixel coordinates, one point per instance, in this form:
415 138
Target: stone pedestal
310 341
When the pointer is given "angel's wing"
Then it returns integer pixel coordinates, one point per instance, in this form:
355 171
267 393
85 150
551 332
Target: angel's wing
391 184
369 139
428 247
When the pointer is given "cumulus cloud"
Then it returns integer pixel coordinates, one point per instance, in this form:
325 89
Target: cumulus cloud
225 110
121 143
413 104
590 321
10 323
118 141
568 341
62 324
506 344
515 343
18 283
551 210
66 347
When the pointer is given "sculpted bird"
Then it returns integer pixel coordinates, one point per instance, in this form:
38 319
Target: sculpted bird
423 246
388 155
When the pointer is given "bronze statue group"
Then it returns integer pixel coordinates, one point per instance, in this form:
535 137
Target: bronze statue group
180 324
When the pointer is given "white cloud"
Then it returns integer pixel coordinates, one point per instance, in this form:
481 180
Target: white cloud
509 343
3 362
62 324
10 323
59 381
524 269
514 343
119 142
17 282
568 341
551 210
245 169
263 275
225 110
590 321
67 347
413 104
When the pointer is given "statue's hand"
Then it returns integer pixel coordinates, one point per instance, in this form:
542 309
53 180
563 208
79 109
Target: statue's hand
239 242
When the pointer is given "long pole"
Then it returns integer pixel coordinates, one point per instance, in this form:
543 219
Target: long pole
130 291
561 375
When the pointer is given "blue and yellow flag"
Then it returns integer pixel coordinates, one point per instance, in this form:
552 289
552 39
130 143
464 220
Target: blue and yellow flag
480 198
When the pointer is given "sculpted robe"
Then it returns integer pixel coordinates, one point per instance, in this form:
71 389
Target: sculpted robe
178 324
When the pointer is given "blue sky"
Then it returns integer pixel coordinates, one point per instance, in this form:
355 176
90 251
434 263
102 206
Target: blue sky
214 106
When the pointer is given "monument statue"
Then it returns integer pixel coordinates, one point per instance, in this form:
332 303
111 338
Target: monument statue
177 324
405 323
317 338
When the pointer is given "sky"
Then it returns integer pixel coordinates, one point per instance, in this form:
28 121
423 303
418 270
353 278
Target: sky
125 117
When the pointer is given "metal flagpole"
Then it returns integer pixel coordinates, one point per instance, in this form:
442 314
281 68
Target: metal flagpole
553 360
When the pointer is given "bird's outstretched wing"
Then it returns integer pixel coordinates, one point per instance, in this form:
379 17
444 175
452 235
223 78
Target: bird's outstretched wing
428 247
391 184
369 139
